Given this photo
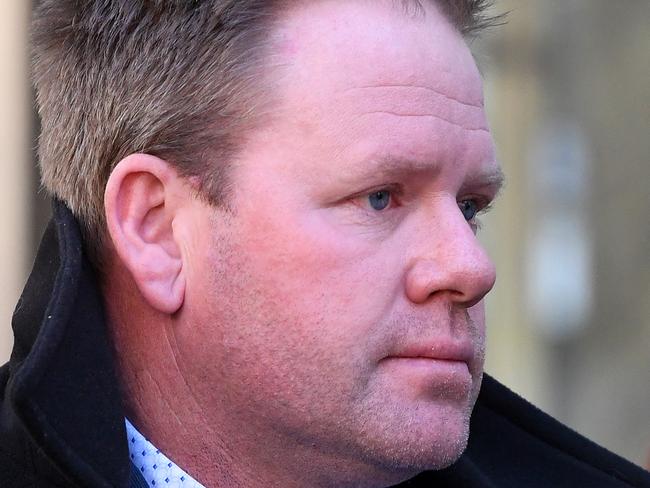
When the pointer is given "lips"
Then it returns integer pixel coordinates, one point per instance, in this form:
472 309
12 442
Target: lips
441 370
439 350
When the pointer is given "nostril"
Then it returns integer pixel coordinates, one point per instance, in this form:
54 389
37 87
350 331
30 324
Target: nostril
469 303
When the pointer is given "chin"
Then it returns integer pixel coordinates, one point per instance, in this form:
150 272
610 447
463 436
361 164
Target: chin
430 439
406 459
434 450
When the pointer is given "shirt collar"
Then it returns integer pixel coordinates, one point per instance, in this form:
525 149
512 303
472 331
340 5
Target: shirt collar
156 468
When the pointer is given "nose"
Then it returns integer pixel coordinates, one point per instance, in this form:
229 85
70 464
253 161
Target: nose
448 259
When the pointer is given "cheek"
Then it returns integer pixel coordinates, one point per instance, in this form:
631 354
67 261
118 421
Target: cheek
307 304
310 263
283 311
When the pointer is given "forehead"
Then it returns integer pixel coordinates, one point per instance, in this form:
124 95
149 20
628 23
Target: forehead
363 79
336 45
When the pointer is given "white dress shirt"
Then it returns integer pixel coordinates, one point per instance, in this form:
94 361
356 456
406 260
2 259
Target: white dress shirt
156 468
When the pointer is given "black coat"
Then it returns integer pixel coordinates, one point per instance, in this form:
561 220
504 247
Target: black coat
62 422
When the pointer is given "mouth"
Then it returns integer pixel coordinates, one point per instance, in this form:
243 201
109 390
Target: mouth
447 369
438 380
441 367
439 351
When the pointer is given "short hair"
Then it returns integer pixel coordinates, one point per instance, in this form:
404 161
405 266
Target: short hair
178 79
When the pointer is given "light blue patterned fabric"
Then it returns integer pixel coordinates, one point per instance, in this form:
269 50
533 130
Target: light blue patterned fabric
156 468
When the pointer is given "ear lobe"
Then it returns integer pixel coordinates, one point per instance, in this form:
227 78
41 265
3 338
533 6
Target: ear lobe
141 203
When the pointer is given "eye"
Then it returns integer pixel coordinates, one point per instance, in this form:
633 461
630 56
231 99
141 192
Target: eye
469 209
379 200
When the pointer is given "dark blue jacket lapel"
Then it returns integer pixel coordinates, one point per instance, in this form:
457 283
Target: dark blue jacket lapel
137 481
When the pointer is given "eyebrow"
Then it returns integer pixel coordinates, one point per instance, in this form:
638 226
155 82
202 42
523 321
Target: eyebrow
493 178
387 167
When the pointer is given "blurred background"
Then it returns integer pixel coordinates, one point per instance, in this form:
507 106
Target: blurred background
568 93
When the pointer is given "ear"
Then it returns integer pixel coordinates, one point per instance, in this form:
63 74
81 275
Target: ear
141 202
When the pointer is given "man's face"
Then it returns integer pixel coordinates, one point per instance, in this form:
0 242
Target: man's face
337 310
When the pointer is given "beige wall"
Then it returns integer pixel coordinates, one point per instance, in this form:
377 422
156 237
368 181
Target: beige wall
568 92
15 160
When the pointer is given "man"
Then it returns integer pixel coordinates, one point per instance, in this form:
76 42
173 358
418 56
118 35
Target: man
271 277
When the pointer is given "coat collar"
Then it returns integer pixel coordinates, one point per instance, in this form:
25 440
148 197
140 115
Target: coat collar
63 385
